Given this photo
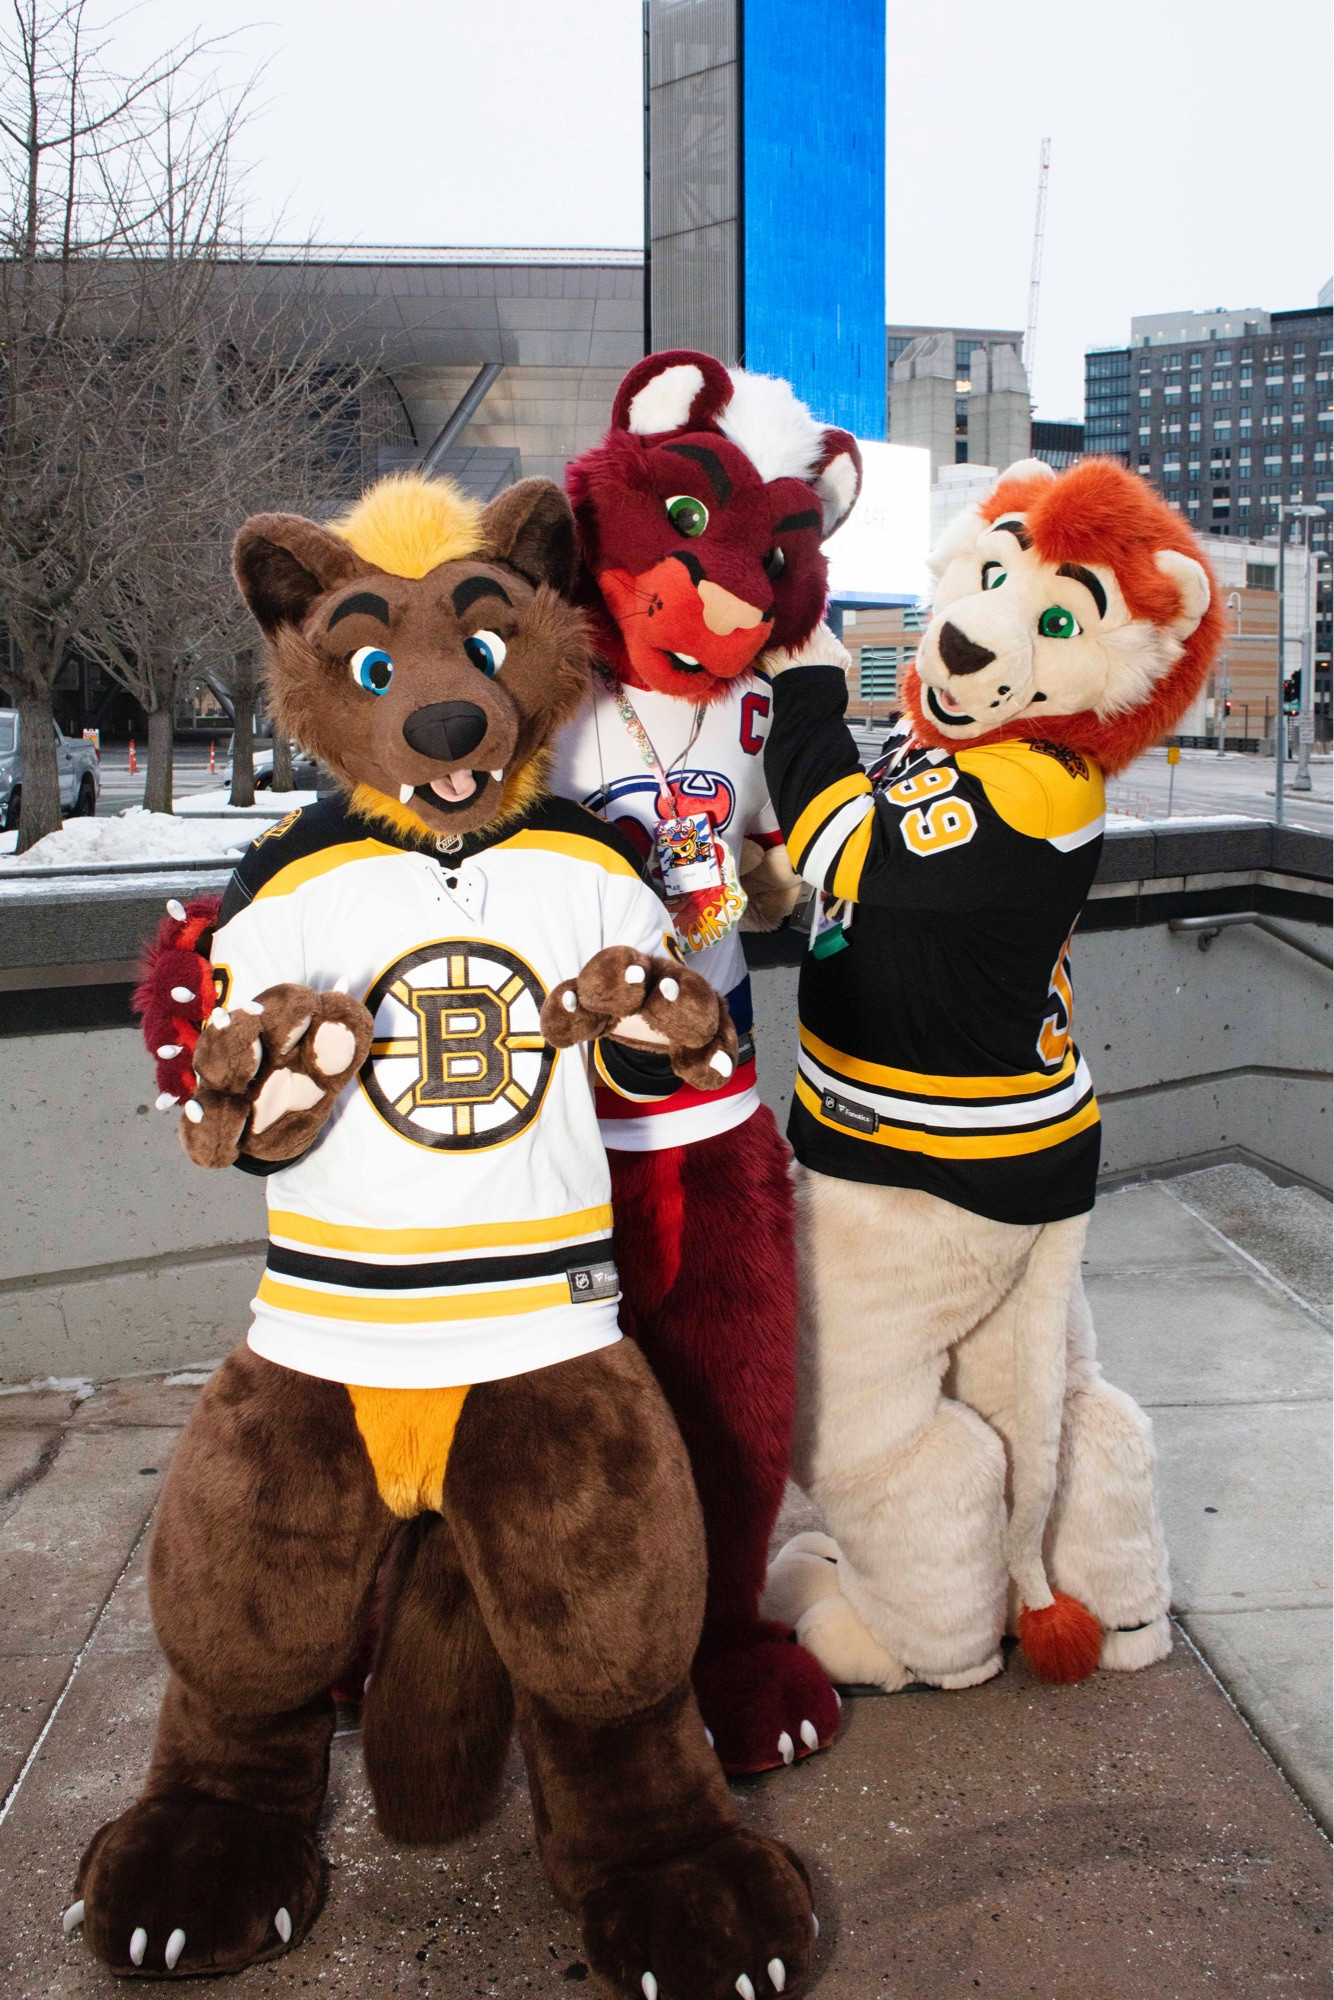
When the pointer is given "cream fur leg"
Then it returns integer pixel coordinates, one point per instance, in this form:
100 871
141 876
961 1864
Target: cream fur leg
803 1591
912 1486
1105 1542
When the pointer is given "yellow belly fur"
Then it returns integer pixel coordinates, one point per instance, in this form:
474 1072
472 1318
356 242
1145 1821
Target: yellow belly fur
407 1434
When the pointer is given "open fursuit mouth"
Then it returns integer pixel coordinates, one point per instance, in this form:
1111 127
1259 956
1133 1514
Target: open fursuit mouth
683 662
950 717
451 792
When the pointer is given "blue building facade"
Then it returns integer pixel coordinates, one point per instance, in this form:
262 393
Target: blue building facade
765 193
813 203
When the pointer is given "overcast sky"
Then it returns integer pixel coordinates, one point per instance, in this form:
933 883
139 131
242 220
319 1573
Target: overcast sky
1190 144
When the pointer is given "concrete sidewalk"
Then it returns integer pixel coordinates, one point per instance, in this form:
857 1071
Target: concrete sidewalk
1129 1836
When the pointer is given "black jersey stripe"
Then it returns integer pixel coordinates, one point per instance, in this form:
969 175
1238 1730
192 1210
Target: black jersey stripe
436 1275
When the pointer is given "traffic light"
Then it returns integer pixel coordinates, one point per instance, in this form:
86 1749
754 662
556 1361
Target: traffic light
1292 694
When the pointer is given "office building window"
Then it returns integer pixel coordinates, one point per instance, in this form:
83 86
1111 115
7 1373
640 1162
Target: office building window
917 617
1194 360
1245 354
1195 395
1223 358
1223 427
880 671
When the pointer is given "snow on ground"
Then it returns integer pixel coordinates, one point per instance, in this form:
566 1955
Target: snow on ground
217 805
135 835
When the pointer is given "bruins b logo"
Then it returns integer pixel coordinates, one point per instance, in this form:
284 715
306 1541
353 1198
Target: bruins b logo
458 1058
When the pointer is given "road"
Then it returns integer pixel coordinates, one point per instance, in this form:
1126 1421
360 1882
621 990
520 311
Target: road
1205 785
121 789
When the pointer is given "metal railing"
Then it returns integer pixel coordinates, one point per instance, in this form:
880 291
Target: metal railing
1206 929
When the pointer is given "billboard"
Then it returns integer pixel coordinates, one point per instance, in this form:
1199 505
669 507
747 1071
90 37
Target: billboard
879 554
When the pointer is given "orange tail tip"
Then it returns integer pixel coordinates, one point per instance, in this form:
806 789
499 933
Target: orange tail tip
1062 1642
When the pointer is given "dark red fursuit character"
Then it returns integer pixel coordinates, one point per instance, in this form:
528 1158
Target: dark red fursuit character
701 516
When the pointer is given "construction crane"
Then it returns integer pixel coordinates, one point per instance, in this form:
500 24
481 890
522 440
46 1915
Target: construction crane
1035 275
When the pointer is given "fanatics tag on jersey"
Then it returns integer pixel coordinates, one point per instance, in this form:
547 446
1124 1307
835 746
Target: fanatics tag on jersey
593 1281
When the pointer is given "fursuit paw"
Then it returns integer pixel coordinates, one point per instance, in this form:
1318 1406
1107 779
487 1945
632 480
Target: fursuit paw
733 1918
766 1701
270 1071
189 1884
651 1003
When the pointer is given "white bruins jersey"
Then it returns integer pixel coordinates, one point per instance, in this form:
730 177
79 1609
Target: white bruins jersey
718 769
452 1222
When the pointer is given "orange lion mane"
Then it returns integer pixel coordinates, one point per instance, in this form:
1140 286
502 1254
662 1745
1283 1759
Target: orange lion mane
1098 512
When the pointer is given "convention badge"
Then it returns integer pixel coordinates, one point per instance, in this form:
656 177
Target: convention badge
688 855
705 916
829 922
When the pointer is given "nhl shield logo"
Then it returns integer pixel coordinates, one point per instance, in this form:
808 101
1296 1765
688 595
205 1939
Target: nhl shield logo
458 1060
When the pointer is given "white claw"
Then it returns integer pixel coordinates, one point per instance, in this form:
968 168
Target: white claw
809 1736
722 1062
194 1111
649 1986
282 1923
569 1000
634 975
220 1018
777 1975
175 1946
138 1945
744 1987
165 1101
786 1749
168 1050
177 910
72 1918
182 993
248 1007
405 793
670 990
340 985
708 1736
815 1923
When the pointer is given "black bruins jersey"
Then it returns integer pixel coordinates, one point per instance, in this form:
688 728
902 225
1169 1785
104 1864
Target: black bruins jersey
935 1032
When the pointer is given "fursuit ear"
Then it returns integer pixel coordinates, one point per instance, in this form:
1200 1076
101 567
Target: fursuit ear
282 563
531 527
1192 580
673 391
838 477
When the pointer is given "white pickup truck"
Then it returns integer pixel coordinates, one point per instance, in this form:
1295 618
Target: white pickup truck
80 772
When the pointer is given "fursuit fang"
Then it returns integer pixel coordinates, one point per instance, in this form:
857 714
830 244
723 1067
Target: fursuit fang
458 1060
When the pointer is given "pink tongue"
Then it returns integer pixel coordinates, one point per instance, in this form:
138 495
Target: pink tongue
455 786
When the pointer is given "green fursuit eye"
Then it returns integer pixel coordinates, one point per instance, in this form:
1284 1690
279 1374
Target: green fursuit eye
993 576
1058 623
687 515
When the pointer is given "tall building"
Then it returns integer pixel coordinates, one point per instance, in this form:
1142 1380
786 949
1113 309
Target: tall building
1061 445
959 391
765 193
1229 414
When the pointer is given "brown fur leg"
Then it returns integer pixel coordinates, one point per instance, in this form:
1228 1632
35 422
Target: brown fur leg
262 1563
439 1713
576 1518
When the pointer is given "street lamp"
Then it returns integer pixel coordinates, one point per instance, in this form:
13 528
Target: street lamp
1233 603
1305 512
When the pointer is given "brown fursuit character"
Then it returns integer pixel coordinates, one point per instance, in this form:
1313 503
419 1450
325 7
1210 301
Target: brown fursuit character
434 1391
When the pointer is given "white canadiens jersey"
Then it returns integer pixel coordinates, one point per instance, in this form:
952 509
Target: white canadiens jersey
452 1222
597 763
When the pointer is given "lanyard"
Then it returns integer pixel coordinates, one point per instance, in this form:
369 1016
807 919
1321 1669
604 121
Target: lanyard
668 803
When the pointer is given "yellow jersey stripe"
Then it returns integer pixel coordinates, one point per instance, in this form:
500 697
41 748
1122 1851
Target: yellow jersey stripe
817 812
848 874
970 1146
919 1084
375 1308
295 1228
308 869
576 846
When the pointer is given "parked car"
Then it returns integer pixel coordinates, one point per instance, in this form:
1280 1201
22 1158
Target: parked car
80 766
306 773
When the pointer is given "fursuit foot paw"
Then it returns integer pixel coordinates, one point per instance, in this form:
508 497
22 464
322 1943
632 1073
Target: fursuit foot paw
188 1884
766 1701
732 1919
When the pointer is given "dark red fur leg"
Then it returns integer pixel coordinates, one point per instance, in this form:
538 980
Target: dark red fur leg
713 1304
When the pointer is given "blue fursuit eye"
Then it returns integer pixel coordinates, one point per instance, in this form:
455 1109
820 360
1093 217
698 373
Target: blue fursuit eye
486 650
371 669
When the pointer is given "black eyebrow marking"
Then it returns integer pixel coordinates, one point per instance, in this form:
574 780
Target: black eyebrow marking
473 587
364 601
1017 529
791 522
714 469
1090 583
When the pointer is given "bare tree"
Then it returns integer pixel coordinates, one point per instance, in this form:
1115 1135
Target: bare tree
76 204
